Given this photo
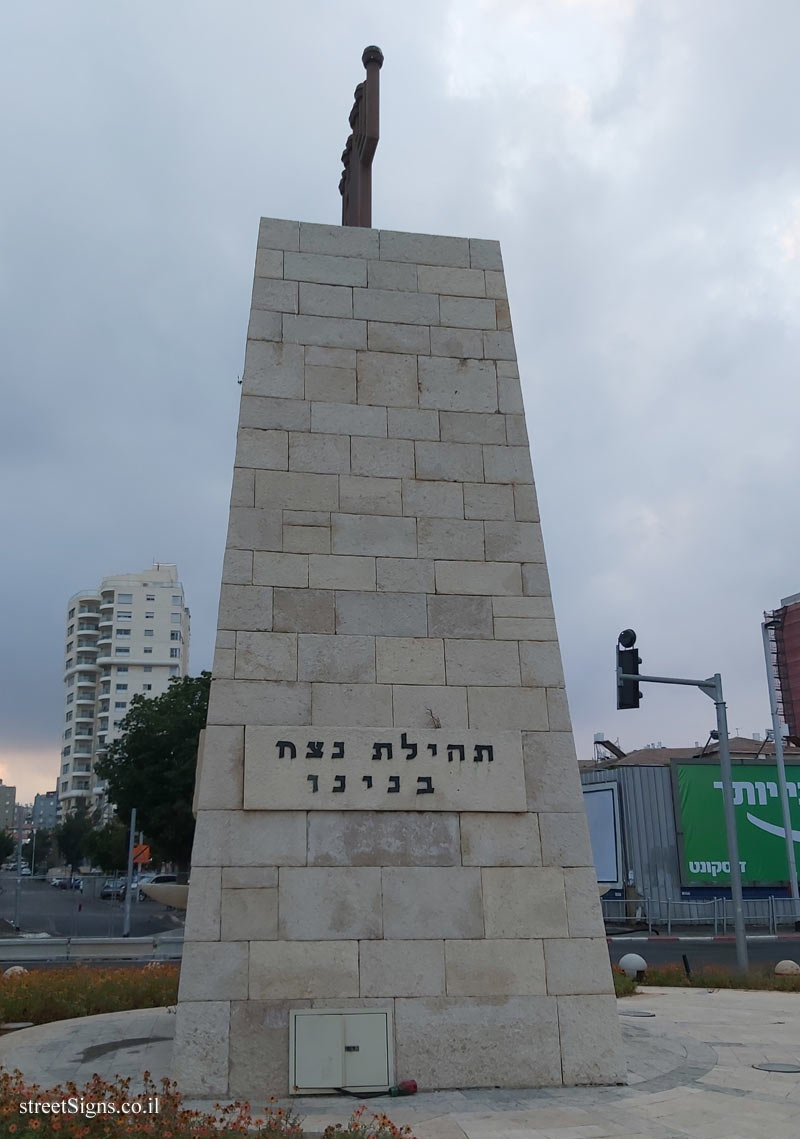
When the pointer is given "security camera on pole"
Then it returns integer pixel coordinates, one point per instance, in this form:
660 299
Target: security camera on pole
628 696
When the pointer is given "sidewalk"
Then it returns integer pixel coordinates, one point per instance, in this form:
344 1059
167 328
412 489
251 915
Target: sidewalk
691 1074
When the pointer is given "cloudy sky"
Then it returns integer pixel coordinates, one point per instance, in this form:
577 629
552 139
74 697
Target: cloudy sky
638 161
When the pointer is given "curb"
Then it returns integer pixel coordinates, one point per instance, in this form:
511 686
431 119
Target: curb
727 940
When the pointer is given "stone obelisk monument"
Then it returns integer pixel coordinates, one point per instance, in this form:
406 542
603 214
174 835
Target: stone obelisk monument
390 818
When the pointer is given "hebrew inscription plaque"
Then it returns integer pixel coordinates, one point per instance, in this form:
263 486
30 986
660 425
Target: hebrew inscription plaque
378 769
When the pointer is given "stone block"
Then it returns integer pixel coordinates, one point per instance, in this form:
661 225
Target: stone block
338 240
514 542
540 663
481 662
249 877
457 462
552 778
266 656
249 838
496 284
584 914
249 913
259 1045
457 385
451 282
513 967
226 639
432 499
394 305
258 702
485 254
302 969
405 575
262 326
516 431
373 534
431 902
200 1051
328 331
591 1042
525 608
558 710
410 423
507 464
325 270
383 838
237 567
324 300
387 458
496 839
224 663
307 539
486 578
297 491
275 295
303 611
509 395
386 378
429 706
352 705
577 965
388 337
392 275
424 248
409 660
341 571
346 419
523 709
203 911
336 659
360 494
472 427
382 614
220 780
402 968
320 903
251 528
217 968
320 357
322 454
273 370
457 616
243 489
269 263
488 500
280 569
245 607
275 233
526 508
450 538
535 580
508 1042
499 346
330 385
524 901
467 312
503 314
463 343
533 629
269 413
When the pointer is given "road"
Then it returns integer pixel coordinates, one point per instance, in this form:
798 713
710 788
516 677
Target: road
66 913
658 952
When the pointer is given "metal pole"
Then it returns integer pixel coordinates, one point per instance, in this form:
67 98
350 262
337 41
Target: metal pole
126 913
730 825
33 854
18 885
784 790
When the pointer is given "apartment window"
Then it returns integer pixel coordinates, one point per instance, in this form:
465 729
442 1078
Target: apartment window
124 599
148 632
64 784
174 653
71 614
175 635
104 704
148 667
68 734
173 670
123 632
70 697
68 662
68 716
86 677
64 768
147 651
103 725
123 652
70 630
150 597
176 599
118 724
70 682
66 750
124 616
122 688
122 668
147 688
175 618
149 616
120 705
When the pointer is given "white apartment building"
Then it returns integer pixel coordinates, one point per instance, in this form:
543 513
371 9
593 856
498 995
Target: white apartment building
129 637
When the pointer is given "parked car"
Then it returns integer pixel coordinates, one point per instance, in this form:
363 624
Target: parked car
154 880
25 871
113 888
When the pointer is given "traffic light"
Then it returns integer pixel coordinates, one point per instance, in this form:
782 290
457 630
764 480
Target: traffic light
628 661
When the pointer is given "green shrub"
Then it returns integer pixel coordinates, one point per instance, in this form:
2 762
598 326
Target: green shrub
358 1127
44 995
624 986
720 977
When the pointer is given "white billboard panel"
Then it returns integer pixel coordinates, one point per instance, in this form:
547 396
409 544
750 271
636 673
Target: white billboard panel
601 801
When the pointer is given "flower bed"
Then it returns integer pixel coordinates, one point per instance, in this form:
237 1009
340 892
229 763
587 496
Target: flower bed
44 995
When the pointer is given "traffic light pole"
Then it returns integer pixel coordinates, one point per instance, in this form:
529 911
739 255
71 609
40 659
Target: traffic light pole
712 687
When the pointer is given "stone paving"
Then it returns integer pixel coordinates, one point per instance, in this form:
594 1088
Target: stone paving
691 1074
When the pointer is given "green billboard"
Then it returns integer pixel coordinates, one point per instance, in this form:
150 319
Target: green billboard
759 823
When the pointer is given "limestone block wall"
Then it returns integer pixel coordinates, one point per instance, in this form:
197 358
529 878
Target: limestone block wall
384 569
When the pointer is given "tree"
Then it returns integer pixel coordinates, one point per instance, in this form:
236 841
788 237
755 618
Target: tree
7 846
151 766
108 847
72 835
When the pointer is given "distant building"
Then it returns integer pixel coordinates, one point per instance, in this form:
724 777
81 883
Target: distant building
8 798
128 637
45 811
784 630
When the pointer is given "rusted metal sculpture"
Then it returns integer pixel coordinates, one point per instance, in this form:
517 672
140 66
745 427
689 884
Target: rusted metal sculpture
356 182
